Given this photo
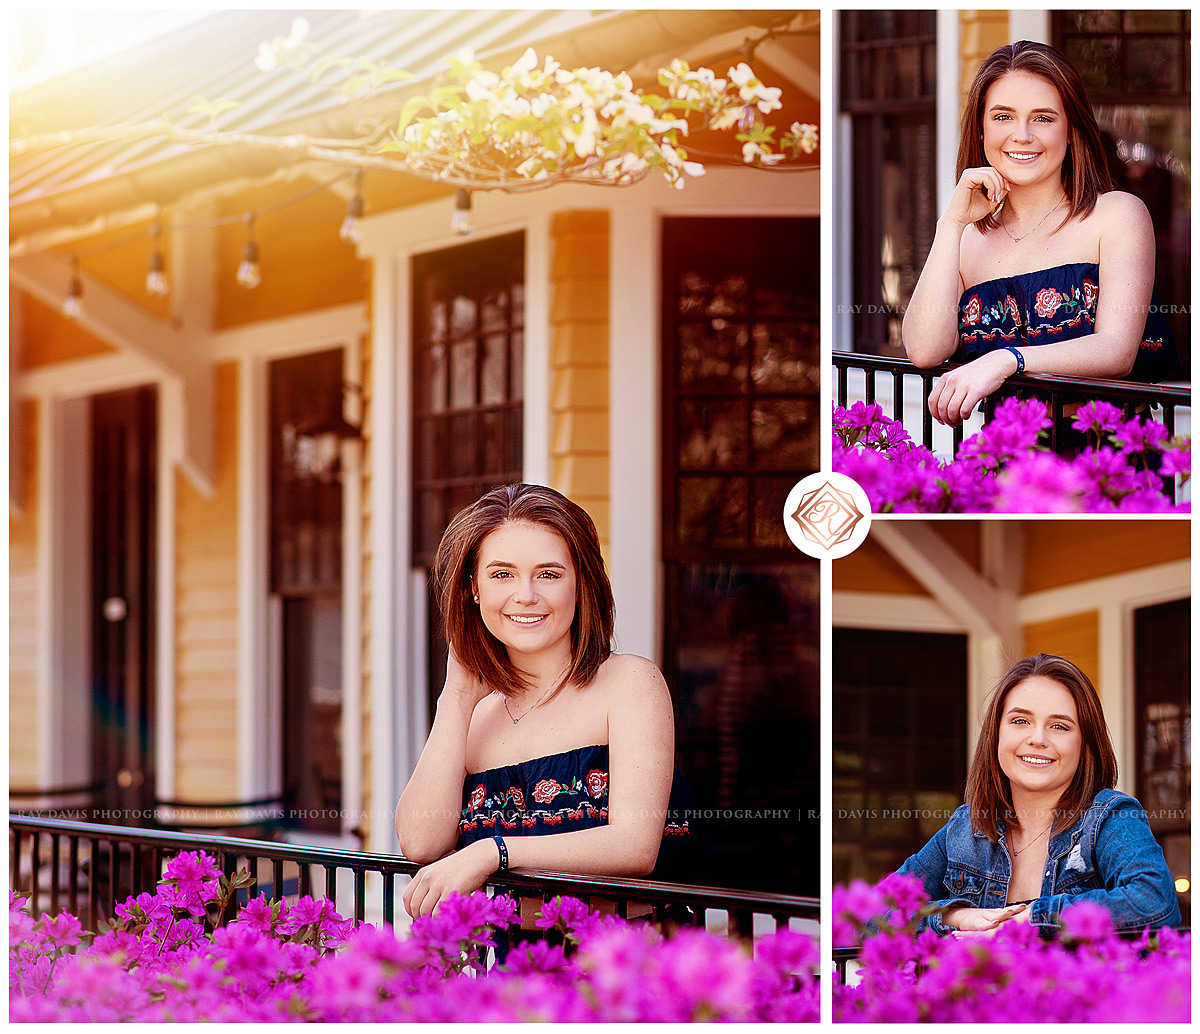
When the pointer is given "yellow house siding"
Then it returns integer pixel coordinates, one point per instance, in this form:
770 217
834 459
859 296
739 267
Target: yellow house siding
22 613
1063 552
980 32
1074 636
579 407
206 627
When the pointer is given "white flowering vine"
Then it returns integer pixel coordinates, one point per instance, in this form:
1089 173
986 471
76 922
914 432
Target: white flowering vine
529 126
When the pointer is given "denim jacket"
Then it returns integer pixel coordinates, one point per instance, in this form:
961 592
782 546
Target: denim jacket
1109 856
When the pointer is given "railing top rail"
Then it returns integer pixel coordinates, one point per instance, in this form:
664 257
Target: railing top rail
1099 386
531 880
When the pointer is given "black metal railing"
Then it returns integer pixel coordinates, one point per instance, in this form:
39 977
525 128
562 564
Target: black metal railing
1060 394
87 869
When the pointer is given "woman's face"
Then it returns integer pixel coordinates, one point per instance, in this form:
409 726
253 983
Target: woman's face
1025 131
525 582
1040 741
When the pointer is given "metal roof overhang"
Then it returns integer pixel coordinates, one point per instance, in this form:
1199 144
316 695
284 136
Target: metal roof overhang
635 41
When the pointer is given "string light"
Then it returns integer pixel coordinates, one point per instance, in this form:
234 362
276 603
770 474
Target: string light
354 212
73 306
460 221
156 278
249 272
249 275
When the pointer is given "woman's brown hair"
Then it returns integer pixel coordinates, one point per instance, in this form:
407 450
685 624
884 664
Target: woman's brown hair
988 791
481 653
1085 174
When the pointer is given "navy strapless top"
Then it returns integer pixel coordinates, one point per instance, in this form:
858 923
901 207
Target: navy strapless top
557 794
1055 304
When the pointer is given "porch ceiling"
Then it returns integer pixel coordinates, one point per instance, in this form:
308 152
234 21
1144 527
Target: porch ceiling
75 186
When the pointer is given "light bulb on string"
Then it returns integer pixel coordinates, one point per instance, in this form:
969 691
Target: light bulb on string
354 212
249 275
460 221
73 305
156 278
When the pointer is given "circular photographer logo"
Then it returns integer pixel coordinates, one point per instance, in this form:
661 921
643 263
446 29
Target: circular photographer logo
827 515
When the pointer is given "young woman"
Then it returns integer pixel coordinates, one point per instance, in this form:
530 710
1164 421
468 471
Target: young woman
1037 264
548 750
1042 826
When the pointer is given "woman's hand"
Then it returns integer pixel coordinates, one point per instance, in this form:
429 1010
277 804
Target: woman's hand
969 203
461 682
462 872
957 393
981 920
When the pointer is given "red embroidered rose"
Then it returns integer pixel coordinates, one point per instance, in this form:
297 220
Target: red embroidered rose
546 791
477 796
1089 293
973 310
597 782
517 797
1047 303
1014 309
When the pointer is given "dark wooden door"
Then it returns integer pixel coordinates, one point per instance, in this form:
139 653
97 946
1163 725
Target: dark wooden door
124 444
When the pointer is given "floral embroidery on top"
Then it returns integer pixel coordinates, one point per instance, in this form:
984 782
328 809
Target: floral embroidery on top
1047 303
558 793
546 791
973 310
1090 293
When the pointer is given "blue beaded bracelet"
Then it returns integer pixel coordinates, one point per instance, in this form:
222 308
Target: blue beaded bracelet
503 849
1020 358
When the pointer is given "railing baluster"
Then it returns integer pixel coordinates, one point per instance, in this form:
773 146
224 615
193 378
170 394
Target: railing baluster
360 895
14 862
389 899
305 887
870 386
926 416
898 396
114 875
277 876
93 882
73 868
54 851
34 865
331 884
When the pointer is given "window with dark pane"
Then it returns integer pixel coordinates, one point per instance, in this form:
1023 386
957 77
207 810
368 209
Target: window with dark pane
1162 661
899 745
306 399
740 426
888 90
1136 66
468 351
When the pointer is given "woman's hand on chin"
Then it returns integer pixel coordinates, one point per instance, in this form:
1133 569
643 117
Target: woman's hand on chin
462 872
957 393
980 922
978 193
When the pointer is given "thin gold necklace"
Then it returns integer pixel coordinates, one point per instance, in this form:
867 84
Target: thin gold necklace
1017 240
1034 840
504 700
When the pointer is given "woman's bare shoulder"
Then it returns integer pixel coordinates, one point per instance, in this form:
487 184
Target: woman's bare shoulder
1118 207
627 674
